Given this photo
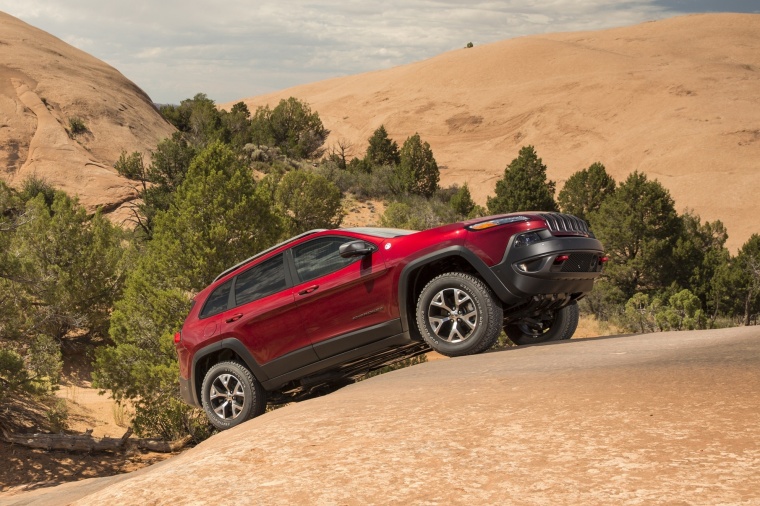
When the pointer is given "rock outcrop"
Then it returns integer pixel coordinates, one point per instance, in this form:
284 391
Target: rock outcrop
45 84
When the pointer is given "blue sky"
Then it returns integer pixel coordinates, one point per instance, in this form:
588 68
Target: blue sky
233 49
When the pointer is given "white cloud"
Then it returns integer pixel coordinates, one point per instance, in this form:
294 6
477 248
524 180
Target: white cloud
233 49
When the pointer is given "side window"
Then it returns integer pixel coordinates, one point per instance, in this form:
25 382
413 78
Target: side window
320 257
217 301
259 281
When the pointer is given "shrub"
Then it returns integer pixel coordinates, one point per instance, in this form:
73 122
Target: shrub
76 126
33 186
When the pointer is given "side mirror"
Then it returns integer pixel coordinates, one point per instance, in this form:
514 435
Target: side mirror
356 249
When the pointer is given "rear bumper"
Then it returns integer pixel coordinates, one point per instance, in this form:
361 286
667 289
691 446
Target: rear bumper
186 392
533 270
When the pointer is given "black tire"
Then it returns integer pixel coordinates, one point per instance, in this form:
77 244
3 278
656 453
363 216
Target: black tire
455 301
231 395
561 327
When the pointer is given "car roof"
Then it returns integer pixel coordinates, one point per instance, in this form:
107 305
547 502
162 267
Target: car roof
383 233
262 253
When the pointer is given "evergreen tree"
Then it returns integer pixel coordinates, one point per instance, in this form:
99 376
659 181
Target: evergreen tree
382 150
746 267
463 204
159 181
639 227
699 254
198 118
237 126
414 212
218 219
417 169
292 127
308 201
66 270
585 191
524 186
60 271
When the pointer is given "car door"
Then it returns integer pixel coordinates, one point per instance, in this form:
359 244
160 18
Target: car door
344 302
265 318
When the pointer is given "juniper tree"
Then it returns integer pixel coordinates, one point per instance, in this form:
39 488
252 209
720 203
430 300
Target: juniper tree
639 227
418 170
585 191
524 186
382 150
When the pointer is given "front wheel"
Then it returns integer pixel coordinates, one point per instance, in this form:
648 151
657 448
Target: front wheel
561 326
231 395
458 314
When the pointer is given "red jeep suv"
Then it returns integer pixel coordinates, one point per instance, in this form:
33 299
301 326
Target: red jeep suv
326 307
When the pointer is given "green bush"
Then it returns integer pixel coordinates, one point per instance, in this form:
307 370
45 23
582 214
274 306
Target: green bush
413 212
308 201
76 126
34 185
37 374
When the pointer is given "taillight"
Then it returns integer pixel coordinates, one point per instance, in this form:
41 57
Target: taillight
177 337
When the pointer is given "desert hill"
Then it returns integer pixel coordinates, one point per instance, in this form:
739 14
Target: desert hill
45 82
678 99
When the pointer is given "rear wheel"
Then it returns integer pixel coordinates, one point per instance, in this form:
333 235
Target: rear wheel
560 326
458 314
231 395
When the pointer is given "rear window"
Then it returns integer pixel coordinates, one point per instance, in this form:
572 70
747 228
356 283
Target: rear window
217 301
260 281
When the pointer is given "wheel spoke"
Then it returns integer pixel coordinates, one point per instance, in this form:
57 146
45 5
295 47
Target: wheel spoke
440 301
455 332
469 323
460 298
214 393
221 409
436 322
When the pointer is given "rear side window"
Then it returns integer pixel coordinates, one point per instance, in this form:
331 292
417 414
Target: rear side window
320 257
260 281
217 301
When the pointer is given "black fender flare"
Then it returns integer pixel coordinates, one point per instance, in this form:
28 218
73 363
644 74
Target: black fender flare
231 344
474 260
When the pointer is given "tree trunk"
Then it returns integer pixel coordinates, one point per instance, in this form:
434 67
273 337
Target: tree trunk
87 443
746 309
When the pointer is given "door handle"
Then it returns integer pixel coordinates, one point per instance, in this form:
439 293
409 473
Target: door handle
312 288
234 318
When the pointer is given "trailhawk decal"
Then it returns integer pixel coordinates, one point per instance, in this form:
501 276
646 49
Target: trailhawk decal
372 311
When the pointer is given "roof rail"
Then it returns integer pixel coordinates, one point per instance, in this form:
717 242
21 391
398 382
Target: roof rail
257 255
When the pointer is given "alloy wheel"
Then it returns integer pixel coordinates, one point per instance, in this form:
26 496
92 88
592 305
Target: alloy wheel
452 315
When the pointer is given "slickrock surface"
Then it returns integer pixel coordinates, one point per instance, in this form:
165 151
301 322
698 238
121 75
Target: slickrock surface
666 418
